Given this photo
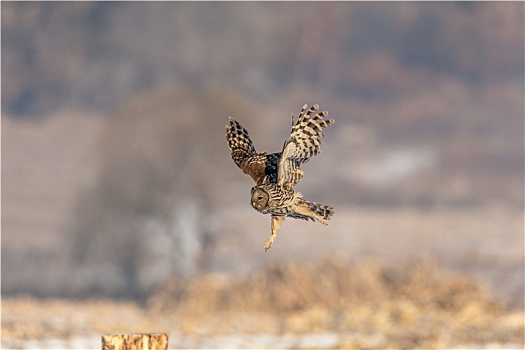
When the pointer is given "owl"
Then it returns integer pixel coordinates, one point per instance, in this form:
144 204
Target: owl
277 174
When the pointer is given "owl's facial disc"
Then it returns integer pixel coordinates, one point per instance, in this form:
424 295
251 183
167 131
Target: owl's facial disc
259 199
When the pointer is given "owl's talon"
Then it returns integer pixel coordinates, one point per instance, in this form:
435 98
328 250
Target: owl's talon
267 246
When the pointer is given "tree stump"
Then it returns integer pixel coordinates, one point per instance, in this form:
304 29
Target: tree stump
135 341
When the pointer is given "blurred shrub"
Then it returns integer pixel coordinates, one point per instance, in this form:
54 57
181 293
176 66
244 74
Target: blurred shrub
289 287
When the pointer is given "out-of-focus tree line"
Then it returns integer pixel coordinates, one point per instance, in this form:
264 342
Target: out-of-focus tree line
427 97
161 186
93 54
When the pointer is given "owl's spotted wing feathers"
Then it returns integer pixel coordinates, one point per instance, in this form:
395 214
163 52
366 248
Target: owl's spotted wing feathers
262 168
304 142
240 143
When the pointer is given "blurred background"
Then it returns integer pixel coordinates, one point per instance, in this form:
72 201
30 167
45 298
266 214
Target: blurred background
117 179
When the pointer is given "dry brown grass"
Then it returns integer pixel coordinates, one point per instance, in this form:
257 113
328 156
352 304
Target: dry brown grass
366 305
415 305
289 287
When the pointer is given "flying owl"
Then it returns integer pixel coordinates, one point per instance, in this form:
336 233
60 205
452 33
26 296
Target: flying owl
276 174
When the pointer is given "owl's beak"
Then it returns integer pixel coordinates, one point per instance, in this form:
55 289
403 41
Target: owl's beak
253 204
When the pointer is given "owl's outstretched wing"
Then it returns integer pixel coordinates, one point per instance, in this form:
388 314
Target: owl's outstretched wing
261 167
239 141
304 142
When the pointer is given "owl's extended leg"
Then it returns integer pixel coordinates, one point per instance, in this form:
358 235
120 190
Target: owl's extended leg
276 223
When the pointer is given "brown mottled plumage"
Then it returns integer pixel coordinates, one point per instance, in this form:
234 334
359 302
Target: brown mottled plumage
277 174
261 167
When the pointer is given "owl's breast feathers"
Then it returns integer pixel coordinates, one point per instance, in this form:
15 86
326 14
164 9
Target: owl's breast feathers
281 201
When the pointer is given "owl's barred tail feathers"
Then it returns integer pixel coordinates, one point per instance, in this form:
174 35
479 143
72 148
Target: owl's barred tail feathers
325 211
317 211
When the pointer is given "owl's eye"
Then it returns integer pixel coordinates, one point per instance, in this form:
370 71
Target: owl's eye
259 198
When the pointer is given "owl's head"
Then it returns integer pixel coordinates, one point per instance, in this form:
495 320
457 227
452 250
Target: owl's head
259 198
